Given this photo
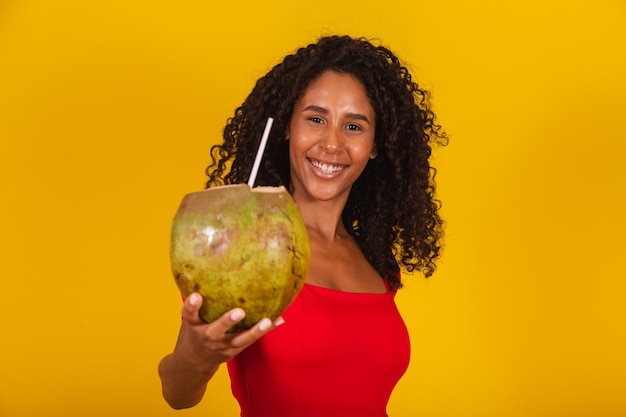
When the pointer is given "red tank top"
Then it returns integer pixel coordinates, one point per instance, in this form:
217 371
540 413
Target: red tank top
337 354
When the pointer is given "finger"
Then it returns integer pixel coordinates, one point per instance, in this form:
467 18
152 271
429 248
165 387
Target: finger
220 326
250 336
191 307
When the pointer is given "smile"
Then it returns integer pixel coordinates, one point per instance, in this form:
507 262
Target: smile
326 168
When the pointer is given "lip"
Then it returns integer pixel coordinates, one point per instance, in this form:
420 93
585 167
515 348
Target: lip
325 169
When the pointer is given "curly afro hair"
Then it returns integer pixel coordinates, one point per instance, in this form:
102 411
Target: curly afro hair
392 211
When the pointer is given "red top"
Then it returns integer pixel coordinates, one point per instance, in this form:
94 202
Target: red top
337 354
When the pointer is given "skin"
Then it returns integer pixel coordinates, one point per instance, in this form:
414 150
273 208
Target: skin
331 136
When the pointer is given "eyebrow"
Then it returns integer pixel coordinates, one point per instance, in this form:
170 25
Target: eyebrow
357 116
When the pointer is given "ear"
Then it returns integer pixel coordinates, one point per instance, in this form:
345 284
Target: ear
374 152
287 133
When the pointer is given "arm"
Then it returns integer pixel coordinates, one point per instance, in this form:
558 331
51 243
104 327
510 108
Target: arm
199 351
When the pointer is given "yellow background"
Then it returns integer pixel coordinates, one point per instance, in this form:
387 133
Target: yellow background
107 113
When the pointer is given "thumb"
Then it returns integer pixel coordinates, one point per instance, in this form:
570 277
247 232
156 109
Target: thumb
191 308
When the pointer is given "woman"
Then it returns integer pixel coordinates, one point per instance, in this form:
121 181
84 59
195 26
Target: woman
351 141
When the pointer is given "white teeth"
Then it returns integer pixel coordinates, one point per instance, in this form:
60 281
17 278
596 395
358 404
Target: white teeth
326 168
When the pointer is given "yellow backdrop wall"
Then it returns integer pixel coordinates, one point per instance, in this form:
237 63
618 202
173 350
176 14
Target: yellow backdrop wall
107 112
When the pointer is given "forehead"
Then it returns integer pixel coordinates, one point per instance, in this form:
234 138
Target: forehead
337 88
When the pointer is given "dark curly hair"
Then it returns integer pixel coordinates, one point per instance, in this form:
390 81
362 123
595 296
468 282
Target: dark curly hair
392 211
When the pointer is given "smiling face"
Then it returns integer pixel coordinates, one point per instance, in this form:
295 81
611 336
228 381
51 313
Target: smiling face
331 136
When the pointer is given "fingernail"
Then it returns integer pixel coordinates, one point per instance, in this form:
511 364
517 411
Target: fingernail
265 324
237 315
194 299
279 321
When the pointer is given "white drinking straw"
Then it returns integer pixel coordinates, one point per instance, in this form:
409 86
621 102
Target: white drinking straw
259 152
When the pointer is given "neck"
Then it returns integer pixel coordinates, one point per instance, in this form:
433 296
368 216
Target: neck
323 218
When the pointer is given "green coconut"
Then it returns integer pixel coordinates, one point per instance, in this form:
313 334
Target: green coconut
240 247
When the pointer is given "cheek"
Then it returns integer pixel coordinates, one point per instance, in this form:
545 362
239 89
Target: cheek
299 142
365 150
296 153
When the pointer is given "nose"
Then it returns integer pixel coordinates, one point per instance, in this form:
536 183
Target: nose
331 141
